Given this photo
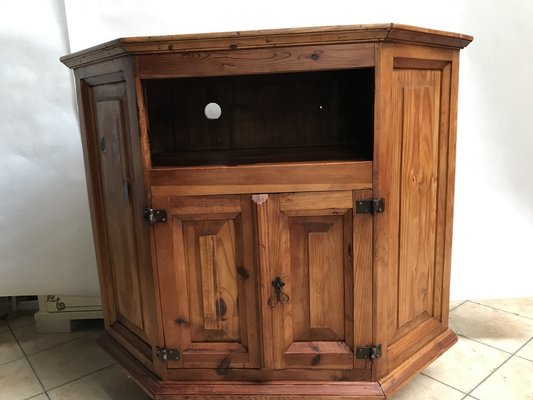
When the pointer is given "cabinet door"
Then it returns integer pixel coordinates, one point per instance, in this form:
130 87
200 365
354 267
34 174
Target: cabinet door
207 281
415 175
117 199
321 251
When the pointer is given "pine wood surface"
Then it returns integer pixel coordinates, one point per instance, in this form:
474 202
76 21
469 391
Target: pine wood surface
256 61
238 217
265 390
267 38
270 178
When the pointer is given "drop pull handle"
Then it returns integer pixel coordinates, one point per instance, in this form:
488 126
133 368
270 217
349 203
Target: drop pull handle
278 297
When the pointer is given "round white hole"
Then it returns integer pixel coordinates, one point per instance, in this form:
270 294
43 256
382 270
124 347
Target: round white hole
212 111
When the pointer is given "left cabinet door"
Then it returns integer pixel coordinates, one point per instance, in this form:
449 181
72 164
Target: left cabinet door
116 190
207 279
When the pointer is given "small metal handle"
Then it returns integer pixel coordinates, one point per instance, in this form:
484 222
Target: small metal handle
277 295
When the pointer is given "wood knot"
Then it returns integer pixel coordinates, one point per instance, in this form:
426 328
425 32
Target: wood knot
315 360
181 321
242 272
221 308
223 367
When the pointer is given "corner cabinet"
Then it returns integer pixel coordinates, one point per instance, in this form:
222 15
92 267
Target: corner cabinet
272 210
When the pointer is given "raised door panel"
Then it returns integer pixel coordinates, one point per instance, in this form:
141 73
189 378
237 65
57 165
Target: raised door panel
122 250
415 285
207 279
309 238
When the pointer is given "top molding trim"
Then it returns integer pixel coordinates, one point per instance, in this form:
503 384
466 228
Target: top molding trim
390 32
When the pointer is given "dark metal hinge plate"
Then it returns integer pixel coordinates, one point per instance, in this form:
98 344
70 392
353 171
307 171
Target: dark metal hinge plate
167 354
373 206
154 216
368 353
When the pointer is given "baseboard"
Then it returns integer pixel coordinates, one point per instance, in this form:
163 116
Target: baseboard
233 390
403 374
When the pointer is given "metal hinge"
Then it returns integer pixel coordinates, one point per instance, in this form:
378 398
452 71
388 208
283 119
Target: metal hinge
374 206
167 354
368 353
153 215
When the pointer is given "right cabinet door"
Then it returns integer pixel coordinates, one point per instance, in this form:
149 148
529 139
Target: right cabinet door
315 255
419 211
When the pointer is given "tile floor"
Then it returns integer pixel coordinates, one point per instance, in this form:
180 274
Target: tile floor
493 360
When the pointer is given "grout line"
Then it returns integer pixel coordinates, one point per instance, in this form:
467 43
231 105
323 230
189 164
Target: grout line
81 377
458 305
484 344
501 365
9 362
521 357
32 397
28 361
445 384
62 343
499 309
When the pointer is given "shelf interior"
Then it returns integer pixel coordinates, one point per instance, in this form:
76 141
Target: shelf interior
239 120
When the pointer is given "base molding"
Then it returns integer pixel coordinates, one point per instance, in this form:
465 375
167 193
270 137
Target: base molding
232 390
271 390
402 375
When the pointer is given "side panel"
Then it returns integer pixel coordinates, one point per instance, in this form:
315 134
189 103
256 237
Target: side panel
418 96
117 197
413 175
114 162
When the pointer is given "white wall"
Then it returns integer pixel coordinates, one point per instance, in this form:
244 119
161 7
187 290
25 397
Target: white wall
493 231
45 237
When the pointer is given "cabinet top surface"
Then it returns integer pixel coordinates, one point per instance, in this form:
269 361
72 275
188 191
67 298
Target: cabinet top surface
367 33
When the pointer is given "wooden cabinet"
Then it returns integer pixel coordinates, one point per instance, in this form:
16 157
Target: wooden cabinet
272 210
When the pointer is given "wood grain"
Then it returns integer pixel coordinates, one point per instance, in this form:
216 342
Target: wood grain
257 61
361 277
400 376
265 210
369 33
215 305
114 167
315 242
422 97
269 191
450 189
266 390
282 117
273 178
420 136
385 183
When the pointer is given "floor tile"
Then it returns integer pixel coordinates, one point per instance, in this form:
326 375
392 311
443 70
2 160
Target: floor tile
18 381
520 306
33 342
41 396
476 362
511 381
456 303
69 361
496 328
111 383
9 348
17 321
423 387
527 351
3 326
